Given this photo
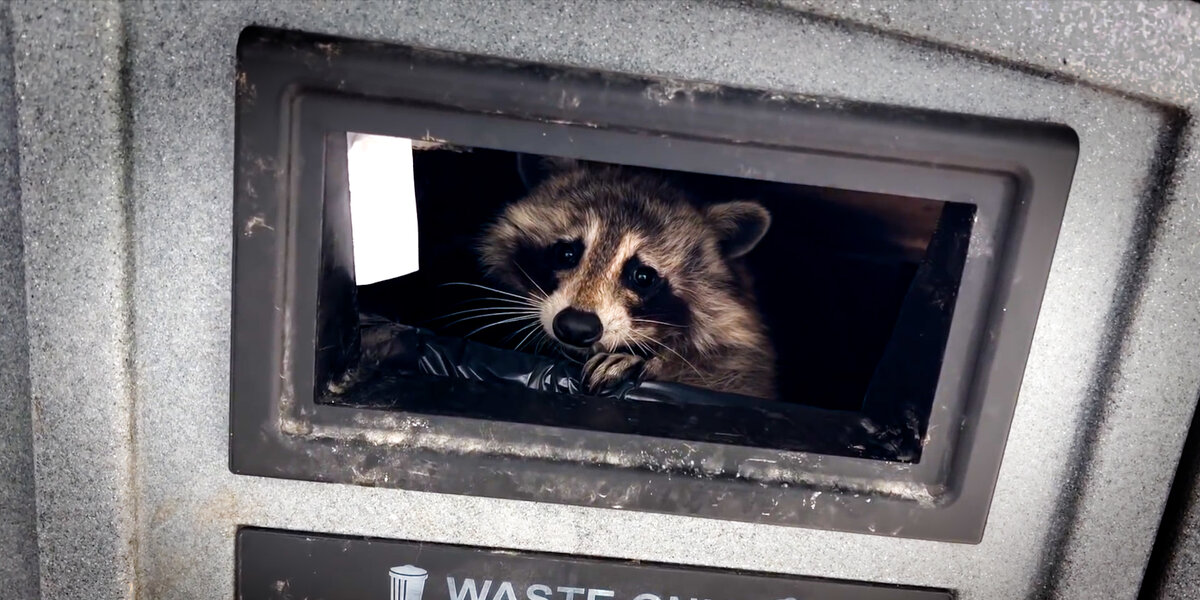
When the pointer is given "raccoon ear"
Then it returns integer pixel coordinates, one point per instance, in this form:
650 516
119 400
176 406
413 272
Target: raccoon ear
740 225
534 168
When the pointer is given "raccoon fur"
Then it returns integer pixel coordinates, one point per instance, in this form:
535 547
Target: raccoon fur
628 274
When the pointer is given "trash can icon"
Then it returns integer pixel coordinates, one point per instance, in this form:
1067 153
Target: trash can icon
408 582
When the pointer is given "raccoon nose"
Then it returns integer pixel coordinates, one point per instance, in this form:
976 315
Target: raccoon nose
577 328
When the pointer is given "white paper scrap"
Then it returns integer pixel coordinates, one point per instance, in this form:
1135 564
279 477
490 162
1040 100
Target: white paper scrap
383 207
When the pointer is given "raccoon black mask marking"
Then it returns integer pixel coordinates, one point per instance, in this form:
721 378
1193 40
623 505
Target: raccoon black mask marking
624 270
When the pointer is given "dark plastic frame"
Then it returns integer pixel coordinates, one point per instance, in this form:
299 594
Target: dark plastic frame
294 89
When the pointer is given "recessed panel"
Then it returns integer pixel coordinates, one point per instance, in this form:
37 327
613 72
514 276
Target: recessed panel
472 275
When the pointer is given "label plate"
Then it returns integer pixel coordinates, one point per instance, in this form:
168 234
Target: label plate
277 565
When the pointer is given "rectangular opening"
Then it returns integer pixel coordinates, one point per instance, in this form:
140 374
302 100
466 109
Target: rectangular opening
726 309
870 345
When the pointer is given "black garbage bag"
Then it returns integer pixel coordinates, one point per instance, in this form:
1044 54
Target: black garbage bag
390 349
397 348
401 367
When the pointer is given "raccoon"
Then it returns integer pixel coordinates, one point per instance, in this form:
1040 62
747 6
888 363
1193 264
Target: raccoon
628 274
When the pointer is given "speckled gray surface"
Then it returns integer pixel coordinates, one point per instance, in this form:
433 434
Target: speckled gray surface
1112 377
76 244
1146 49
18 516
1175 571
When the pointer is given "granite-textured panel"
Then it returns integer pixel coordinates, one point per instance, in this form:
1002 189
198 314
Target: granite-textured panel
70 115
18 516
1112 375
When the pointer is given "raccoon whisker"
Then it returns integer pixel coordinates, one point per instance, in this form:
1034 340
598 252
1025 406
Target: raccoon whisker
533 343
634 345
490 289
490 315
672 351
522 315
533 329
526 302
535 284
498 309
519 331
542 339
658 323
642 347
641 344
513 320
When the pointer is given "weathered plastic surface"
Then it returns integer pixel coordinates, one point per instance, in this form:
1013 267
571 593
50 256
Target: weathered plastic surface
124 124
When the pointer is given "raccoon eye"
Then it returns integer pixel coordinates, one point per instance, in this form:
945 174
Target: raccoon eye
644 278
565 255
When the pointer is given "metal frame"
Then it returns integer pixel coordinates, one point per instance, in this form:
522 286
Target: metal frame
293 89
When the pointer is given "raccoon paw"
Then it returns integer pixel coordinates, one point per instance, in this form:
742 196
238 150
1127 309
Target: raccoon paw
604 370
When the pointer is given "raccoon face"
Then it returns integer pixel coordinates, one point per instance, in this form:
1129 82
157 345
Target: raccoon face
619 263
608 288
